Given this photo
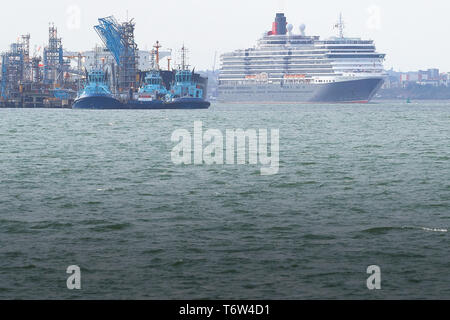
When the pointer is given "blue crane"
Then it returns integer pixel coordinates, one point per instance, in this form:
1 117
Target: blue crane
109 31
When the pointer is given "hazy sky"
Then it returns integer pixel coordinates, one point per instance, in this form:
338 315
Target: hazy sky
414 34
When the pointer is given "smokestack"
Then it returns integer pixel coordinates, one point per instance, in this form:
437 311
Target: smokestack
279 27
274 28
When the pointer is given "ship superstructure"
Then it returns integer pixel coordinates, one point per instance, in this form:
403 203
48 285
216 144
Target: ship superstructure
153 87
96 93
184 85
287 67
171 89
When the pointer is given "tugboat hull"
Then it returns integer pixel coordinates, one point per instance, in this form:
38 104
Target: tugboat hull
190 103
109 103
98 102
183 103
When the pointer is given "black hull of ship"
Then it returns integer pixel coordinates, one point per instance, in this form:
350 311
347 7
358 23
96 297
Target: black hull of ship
97 103
109 103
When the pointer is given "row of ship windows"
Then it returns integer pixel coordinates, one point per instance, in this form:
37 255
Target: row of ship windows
327 49
356 51
322 57
268 58
312 51
271 54
345 42
279 62
239 78
298 68
284 85
303 65
280 69
301 62
280 66
276 58
264 92
316 39
348 47
298 56
327 55
252 71
278 72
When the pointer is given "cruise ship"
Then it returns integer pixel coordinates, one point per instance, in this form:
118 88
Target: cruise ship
291 68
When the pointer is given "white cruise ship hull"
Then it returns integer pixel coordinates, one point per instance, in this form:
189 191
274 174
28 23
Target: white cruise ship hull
350 91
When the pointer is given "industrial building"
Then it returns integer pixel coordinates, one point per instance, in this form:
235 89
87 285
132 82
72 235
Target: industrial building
54 78
37 81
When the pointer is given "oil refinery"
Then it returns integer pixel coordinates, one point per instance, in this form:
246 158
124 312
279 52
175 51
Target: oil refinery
55 77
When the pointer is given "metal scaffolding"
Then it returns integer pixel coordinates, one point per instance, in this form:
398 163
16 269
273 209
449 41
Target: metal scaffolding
119 39
27 72
53 58
31 81
13 67
128 68
36 74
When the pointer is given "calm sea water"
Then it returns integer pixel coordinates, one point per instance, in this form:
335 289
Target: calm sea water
358 185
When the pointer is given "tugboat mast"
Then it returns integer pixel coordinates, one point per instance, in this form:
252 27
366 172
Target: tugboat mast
184 65
157 46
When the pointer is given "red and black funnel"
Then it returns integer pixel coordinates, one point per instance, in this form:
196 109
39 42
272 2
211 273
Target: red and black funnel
279 26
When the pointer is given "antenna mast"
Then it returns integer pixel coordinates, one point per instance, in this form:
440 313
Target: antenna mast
340 26
215 60
157 47
184 64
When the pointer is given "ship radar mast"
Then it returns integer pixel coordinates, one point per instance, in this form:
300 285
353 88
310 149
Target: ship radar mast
157 46
340 25
184 52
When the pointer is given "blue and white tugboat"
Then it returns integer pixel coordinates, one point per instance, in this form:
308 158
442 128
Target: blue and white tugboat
96 93
184 92
152 93
181 89
153 88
